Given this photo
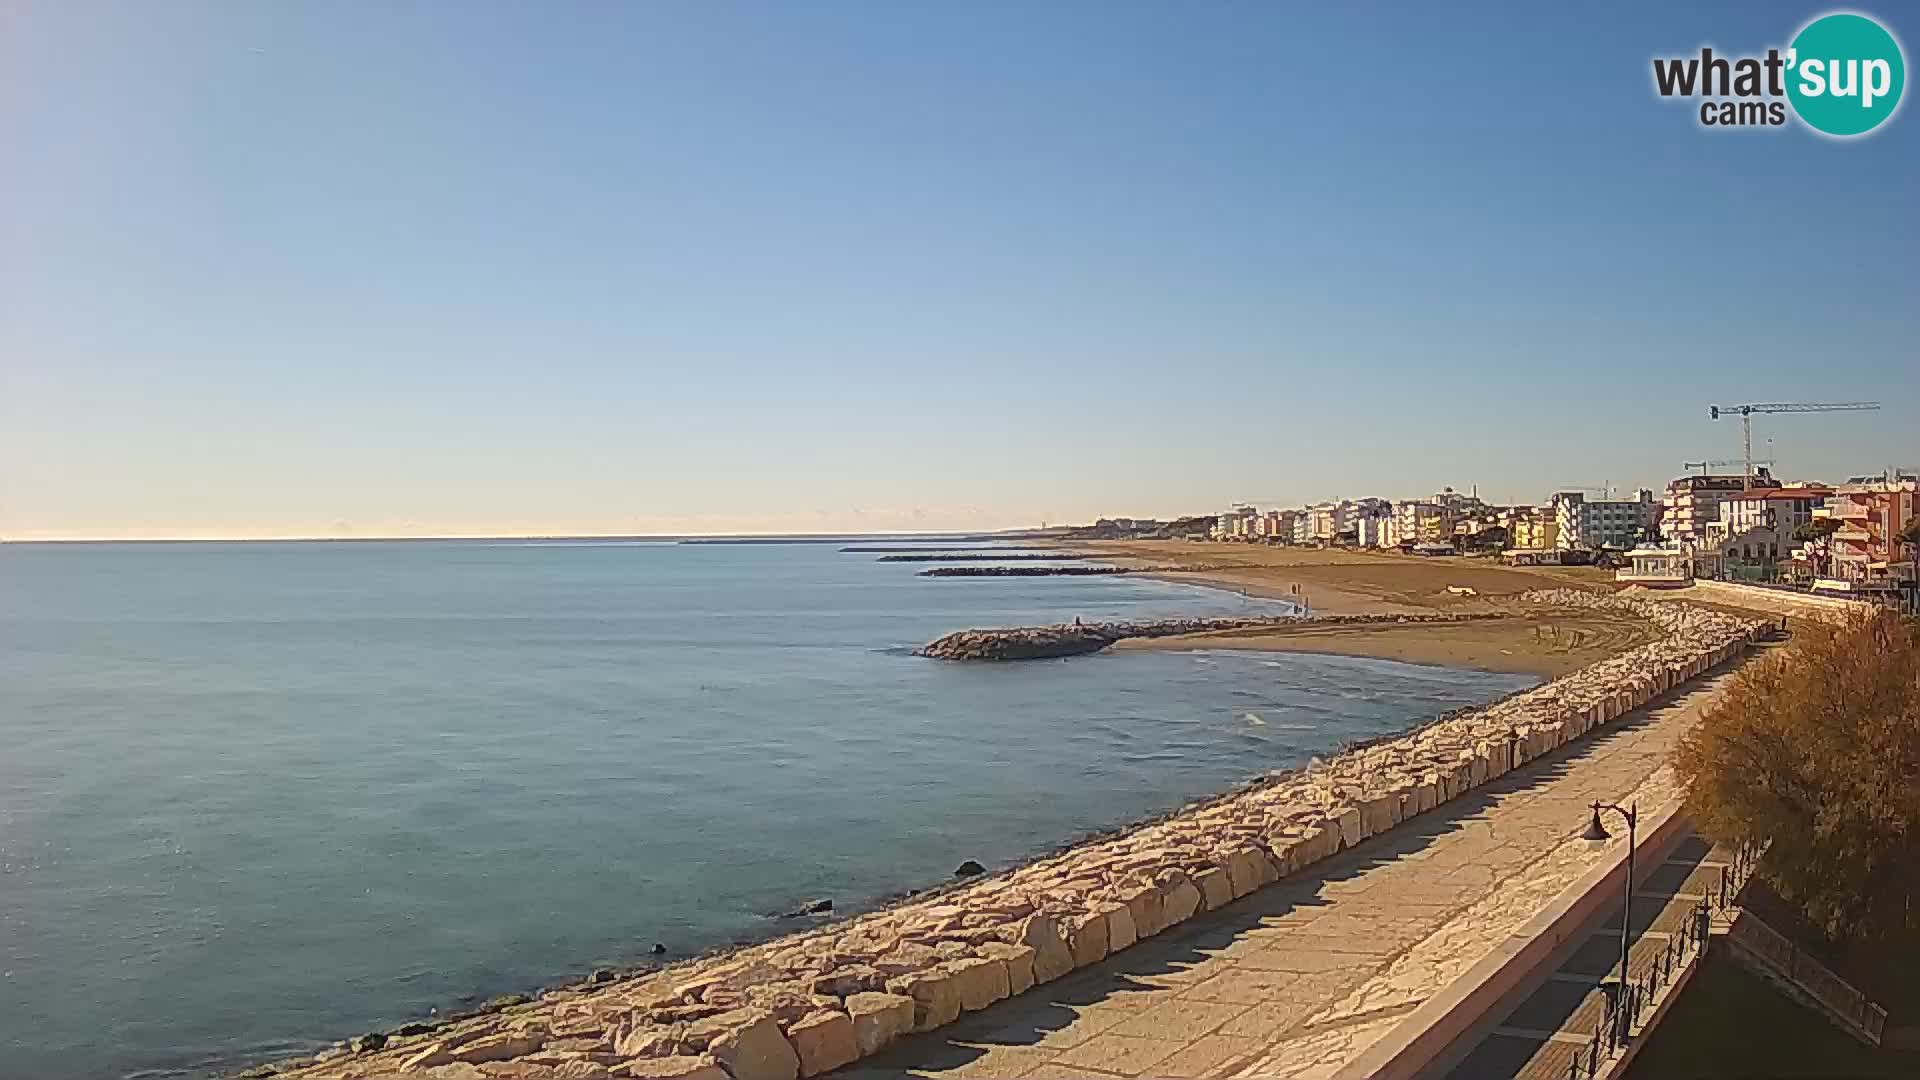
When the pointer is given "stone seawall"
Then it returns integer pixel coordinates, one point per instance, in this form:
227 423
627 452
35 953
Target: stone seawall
1073 639
1793 604
809 1003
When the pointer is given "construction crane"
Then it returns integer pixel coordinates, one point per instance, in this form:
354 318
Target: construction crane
1745 412
1720 463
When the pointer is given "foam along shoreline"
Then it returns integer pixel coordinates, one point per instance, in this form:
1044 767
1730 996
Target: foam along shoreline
812 1002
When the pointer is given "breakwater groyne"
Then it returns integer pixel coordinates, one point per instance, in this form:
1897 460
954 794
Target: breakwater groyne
879 548
1030 571
1075 639
808 1003
988 556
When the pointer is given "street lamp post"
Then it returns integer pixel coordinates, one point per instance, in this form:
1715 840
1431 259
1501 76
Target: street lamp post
1597 834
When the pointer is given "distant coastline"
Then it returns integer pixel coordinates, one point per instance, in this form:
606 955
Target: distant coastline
651 538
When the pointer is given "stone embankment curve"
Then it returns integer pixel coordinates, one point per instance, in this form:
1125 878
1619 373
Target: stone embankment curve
805 1004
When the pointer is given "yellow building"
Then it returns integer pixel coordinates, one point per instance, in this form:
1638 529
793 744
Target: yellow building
1535 531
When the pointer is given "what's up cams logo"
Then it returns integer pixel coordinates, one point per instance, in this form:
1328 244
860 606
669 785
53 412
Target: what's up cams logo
1842 76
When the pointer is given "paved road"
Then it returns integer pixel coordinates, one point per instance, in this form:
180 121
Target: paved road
1297 979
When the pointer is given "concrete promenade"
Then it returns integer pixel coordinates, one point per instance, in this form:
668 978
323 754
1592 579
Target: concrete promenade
1562 1014
1298 978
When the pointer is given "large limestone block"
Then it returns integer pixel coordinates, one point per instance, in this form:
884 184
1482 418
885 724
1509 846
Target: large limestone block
936 1001
878 1019
1322 841
824 1041
1087 936
499 1046
754 1049
1350 831
851 979
1121 933
1019 962
1285 853
1376 815
979 981
1143 903
430 1055
1216 888
905 958
677 1067
1242 875
1426 794
1493 759
1266 870
1052 957
1179 902
1463 780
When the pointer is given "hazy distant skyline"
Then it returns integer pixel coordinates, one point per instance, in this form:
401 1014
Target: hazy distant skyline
486 269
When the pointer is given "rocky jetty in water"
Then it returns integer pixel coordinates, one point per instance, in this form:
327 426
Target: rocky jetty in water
988 556
806 1004
1029 571
1075 639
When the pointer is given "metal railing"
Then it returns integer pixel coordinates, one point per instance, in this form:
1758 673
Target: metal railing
1735 875
1632 998
1816 980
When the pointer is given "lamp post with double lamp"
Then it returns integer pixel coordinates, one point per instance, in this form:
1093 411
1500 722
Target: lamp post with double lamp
1597 834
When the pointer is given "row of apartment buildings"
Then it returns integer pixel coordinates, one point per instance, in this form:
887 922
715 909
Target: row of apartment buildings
1569 521
1728 526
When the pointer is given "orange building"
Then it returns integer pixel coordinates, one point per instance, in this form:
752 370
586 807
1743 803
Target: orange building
1866 548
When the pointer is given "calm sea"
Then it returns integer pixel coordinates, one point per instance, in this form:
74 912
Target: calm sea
254 795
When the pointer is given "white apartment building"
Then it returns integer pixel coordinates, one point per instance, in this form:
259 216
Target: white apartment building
1590 524
1303 527
1693 502
1778 510
1368 530
1328 520
1236 524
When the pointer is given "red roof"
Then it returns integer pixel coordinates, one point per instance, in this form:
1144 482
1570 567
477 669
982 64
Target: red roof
1786 493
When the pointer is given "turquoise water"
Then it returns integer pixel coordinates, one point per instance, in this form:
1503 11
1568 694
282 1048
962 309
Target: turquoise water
256 795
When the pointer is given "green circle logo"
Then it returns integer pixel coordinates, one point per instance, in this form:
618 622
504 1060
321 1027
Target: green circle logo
1845 74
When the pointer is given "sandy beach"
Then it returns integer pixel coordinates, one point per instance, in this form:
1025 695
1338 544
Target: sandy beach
1535 640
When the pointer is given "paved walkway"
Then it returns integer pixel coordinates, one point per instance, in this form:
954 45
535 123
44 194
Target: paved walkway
1297 979
1560 1018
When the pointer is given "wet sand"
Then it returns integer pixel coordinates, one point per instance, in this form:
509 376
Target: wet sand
1536 640
1542 641
1339 582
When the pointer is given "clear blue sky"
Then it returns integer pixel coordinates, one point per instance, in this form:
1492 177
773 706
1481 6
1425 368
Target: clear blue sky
358 268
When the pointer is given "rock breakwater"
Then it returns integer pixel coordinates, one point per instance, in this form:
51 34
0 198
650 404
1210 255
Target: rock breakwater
988 556
805 1004
1074 639
1030 571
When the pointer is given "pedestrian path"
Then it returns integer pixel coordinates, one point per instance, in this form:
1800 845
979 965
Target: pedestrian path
1552 1034
1299 978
